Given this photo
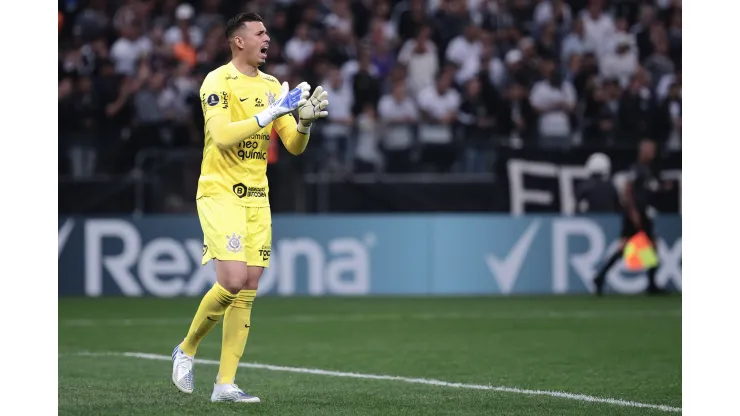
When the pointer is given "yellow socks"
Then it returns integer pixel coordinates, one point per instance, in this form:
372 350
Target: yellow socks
211 308
235 332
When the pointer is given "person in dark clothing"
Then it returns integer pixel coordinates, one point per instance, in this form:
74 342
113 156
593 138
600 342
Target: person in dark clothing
639 195
598 194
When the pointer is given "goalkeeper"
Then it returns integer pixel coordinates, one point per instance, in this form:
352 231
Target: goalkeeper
241 105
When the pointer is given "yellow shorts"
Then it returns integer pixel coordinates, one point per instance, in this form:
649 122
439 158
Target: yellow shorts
234 232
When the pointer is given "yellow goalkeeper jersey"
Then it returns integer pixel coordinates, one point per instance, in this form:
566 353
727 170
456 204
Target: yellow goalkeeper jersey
239 174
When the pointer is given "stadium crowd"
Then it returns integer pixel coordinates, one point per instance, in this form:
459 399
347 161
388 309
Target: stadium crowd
413 84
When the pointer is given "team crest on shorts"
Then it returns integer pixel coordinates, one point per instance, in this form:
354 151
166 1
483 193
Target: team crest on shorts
270 97
234 244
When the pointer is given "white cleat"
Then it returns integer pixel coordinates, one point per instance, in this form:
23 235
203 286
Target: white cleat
231 393
182 371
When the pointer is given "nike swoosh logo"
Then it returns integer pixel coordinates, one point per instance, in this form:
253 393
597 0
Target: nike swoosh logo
209 318
243 99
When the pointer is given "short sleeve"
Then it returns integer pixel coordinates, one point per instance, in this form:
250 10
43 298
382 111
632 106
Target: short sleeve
214 97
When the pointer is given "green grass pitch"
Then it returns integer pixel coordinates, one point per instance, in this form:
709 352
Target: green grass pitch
624 348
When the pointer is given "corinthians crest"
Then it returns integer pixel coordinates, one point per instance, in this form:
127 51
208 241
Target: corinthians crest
270 97
234 243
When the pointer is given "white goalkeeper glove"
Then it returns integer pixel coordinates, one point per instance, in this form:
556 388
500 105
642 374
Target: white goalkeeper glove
313 109
285 104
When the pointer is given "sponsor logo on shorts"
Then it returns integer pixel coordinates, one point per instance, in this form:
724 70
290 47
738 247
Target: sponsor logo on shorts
242 190
234 243
205 249
265 253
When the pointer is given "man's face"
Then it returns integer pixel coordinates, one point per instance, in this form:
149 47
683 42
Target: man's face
252 41
647 150
399 92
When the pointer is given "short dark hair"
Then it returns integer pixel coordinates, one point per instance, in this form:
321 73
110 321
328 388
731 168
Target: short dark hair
237 21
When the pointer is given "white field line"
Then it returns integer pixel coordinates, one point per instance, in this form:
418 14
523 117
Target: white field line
426 381
529 315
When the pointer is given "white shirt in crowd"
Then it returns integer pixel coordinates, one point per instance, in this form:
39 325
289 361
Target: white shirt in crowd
543 97
461 49
544 12
575 45
621 67
421 68
298 50
367 140
173 35
400 136
340 108
350 69
664 85
598 32
343 24
438 106
125 53
471 67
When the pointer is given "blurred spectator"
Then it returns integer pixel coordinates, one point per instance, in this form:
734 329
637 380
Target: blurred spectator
659 63
522 14
381 19
299 48
598 26
465 46
184 27
367 156
340 17
635 110
669 115
83 138
489 68
548 44
473 63
411 17
641 30
129 49
449 21
383 58
439 104
516 118
554 100
575 42
337 130
150 115
93 21
366 87
586 72
553 11
602 113
674 37
665 83
477 120
620 63
398 114
421 60
211 18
